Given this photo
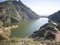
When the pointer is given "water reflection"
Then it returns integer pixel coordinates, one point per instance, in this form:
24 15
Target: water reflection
27 28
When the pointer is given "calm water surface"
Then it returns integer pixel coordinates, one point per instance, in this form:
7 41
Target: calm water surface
26 28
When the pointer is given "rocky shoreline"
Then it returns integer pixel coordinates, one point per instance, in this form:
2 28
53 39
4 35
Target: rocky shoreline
49 31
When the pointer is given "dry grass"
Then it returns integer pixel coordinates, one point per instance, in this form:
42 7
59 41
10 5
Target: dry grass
27 41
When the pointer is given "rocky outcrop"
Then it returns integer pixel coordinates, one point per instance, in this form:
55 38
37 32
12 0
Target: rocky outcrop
12 11
55 17
51 30
48 32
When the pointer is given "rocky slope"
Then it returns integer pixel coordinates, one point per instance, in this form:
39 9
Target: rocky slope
12 11
51 30
55 17
15 11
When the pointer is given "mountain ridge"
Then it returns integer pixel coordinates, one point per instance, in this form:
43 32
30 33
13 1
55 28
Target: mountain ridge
17 11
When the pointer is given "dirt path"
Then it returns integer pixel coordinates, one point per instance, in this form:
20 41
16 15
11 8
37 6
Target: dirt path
58 36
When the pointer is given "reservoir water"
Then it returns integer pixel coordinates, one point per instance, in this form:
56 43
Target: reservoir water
26 28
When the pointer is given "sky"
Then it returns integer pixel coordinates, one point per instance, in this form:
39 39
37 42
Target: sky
2 0
42 7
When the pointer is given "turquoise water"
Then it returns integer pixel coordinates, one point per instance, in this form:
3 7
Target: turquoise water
26 28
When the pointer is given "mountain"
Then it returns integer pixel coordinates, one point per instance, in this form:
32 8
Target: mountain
51 30
55 17
15 11
48 31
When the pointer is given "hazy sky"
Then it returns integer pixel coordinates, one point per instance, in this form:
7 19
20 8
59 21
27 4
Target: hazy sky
43 7
2 0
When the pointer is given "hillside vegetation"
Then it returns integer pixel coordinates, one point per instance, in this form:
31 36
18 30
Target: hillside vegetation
15 11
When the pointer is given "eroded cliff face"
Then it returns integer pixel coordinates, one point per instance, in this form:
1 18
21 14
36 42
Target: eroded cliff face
16 11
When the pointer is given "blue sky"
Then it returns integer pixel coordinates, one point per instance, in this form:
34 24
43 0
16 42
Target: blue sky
43 7
2 0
